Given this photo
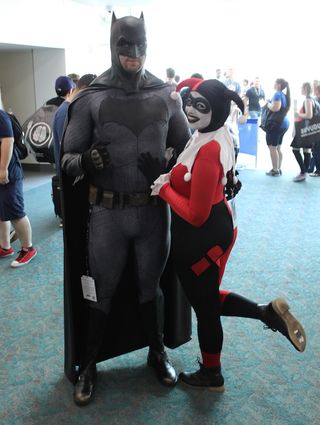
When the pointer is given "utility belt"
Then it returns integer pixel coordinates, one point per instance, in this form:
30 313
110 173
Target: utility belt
110 200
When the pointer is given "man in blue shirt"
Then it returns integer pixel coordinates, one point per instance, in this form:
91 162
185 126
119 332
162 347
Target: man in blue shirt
11 198
61 113
230 81
57 128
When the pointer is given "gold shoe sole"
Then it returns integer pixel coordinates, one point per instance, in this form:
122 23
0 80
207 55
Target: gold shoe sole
295 329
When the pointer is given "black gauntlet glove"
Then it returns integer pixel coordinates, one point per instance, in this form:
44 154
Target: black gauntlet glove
231 189
96 158
150 166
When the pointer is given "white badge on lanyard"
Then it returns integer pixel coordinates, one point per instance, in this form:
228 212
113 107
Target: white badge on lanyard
88 288
232 206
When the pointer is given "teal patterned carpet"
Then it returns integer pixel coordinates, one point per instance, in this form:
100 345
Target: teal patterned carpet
267 382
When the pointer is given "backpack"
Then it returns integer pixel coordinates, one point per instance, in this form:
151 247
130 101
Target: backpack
38 130
18 135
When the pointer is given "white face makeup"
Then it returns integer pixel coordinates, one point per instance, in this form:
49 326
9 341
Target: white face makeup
198 111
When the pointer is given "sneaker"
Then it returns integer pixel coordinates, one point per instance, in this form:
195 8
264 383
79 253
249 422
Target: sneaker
6 252
300 177
273 173
316 174
24 257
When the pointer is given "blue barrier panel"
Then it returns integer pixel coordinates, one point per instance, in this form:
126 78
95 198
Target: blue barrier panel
248 134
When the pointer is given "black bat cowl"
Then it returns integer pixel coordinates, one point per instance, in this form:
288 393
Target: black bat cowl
127 38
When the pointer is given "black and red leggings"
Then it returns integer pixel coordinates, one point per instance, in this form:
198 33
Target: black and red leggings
207 300
200 256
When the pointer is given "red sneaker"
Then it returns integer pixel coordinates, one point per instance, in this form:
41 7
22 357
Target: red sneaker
6 252
24 257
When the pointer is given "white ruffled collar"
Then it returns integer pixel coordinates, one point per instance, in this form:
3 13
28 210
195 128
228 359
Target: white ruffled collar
188 155
197 140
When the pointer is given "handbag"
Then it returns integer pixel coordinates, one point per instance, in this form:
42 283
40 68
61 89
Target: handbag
265 112
307 132
271 120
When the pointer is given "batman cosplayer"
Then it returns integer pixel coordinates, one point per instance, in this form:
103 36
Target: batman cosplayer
116 236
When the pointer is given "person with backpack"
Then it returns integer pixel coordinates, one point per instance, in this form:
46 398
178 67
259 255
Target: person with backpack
38 127
276 127
316 146
61 113
11 198
63 85
305 113
57 128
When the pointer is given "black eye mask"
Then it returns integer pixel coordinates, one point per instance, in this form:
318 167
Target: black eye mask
199 103
130 48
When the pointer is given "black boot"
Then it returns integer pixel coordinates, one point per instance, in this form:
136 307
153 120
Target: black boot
84 388
85 385
277 317
163 368
206 378
152 319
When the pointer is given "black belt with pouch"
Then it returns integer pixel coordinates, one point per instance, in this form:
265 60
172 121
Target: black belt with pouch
110 200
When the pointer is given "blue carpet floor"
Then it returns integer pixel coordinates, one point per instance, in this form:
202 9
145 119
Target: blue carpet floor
267 382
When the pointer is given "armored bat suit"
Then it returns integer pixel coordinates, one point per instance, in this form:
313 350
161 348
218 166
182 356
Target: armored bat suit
128 124
119 116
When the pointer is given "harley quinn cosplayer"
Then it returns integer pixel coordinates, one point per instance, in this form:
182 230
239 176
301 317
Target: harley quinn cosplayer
203 232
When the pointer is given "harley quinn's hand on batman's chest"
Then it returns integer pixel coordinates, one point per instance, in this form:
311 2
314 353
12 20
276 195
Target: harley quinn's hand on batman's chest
134 114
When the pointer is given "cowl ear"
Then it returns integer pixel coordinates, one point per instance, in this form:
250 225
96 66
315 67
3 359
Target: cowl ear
141 16
114 19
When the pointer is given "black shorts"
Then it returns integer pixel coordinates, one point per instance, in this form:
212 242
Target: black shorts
11 201
275 137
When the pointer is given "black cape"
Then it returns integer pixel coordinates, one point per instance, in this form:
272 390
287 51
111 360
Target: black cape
125 333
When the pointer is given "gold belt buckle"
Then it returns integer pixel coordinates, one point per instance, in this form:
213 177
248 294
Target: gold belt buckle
139 199
92 195
107 199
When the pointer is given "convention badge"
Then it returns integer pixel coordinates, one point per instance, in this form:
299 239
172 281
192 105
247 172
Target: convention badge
232 206
88 288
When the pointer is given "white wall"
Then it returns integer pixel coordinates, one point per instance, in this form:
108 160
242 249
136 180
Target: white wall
33 22
48 64
27 78
17 83
81 29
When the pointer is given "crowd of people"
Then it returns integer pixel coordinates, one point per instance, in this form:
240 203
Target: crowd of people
131 153
256 102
